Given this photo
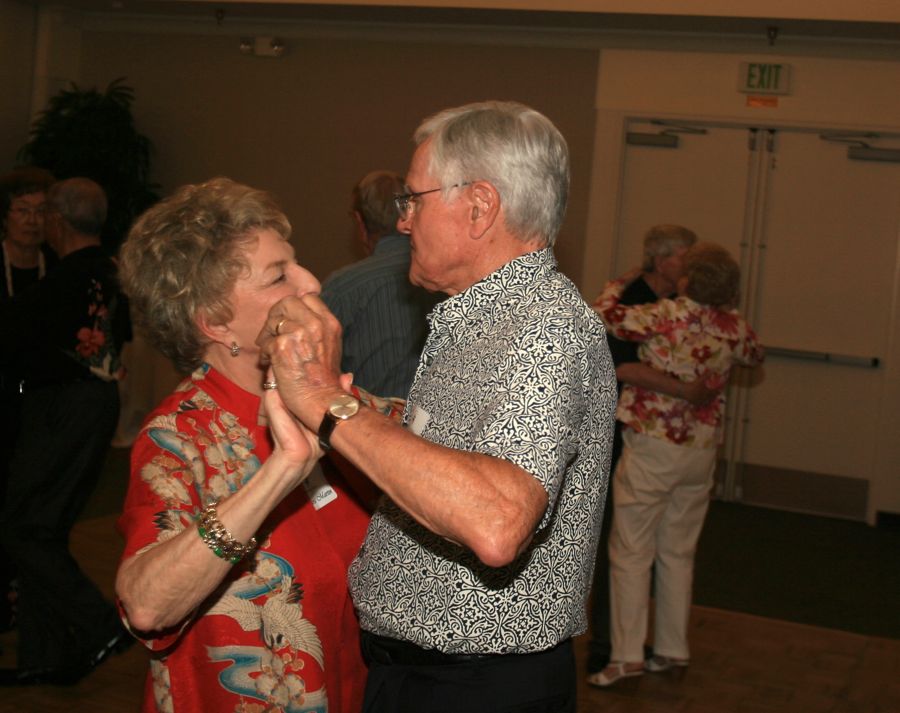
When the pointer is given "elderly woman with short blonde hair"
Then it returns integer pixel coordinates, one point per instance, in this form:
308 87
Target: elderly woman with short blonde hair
237 544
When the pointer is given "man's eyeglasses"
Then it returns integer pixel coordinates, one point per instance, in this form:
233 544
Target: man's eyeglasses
406 202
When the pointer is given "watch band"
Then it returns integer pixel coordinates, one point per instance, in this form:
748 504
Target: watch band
326 428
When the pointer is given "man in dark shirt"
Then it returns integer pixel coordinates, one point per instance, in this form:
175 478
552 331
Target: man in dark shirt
664 248
64 336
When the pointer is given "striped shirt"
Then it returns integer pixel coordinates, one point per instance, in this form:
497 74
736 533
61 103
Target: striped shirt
383 316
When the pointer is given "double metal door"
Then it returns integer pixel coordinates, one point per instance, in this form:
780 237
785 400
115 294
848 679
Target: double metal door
816 233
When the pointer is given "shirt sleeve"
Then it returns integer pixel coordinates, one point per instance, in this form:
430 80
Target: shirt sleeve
532 418
750 352
389 406
161 503
635 323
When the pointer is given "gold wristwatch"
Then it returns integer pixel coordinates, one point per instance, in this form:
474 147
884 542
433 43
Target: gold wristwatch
342 408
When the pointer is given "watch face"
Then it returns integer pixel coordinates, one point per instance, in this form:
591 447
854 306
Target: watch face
344 407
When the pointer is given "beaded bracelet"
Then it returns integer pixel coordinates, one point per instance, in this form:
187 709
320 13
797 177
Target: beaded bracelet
219 540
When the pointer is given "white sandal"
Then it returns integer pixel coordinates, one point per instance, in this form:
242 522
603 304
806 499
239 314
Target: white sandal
658 663
612 673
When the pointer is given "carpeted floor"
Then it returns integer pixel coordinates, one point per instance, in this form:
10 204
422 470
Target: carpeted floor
801 568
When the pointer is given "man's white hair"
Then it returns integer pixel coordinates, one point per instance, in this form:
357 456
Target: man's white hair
514 148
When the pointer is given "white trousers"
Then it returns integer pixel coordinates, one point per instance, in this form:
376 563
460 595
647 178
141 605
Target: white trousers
660 497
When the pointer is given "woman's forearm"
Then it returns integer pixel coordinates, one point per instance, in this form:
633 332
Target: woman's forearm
159 587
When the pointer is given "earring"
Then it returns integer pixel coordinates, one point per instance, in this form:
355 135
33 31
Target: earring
235 349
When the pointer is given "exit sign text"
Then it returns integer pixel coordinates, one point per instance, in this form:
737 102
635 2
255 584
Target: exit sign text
764 78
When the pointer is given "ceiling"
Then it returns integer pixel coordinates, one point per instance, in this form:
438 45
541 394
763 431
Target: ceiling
495 18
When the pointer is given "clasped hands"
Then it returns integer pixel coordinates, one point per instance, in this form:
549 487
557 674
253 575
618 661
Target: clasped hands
301 340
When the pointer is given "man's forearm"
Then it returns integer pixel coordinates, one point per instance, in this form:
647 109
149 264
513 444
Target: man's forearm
638 374
484 503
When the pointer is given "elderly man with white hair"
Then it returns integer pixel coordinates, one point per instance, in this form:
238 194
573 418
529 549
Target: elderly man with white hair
475 571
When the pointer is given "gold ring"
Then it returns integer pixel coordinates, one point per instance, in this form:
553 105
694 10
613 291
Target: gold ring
279 326
270 385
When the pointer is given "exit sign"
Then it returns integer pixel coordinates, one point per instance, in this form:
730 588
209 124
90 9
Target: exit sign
764 78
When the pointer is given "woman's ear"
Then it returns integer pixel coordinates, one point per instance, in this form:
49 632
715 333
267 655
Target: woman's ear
485 208
214 332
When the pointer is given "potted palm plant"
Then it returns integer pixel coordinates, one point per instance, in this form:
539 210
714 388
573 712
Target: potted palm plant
85 132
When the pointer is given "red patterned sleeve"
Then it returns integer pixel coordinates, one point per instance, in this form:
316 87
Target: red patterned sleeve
153 514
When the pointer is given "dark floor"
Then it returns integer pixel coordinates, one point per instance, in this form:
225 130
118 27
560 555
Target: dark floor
802 568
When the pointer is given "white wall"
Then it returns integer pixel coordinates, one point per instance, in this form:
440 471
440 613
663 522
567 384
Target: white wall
837 93
210 110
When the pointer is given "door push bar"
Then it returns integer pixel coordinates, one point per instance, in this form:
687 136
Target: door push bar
842 359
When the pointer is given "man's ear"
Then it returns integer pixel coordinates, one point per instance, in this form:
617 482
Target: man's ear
484 210
359 227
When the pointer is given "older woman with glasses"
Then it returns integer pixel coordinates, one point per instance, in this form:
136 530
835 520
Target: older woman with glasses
23 194
237 546
24 261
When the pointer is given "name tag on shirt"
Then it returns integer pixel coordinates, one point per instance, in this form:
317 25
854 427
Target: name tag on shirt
418 420
318 490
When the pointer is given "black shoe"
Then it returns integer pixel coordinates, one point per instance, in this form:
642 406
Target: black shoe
63 676
70 674
117 644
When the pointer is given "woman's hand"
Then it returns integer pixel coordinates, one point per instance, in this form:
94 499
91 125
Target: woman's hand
162 585
292 439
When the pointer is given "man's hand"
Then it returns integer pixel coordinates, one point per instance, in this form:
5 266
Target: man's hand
697 393
302 341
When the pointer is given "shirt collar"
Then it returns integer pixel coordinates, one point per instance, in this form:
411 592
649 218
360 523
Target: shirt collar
246 406
510 279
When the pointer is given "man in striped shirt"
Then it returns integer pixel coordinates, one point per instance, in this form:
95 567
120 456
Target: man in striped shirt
382 313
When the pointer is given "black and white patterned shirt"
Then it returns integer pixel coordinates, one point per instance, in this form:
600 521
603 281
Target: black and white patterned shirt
516 367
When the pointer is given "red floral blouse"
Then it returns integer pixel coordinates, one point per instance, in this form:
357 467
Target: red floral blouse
280 634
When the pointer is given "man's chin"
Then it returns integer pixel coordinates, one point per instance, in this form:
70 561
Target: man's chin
419 281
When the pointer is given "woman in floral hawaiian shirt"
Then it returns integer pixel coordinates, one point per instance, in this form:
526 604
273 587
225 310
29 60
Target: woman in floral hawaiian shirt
237 543
662 483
